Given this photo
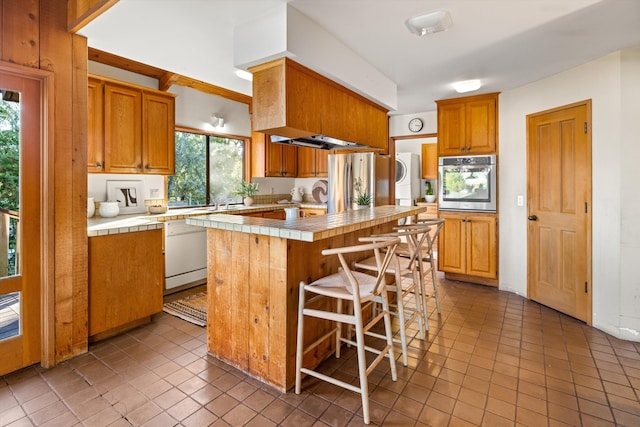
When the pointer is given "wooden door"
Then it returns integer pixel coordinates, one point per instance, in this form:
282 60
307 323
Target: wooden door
95 126
20 215
123 130
481 245
158 134
559 205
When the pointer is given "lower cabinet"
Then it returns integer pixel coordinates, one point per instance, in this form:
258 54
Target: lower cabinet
275 214
468 245
306 212
126 276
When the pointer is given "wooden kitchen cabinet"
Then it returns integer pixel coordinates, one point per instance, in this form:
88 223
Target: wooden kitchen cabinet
307 212
270 159
313 162
468 246
468 125
429 161
126 278
131 129
274 214
95 124
293 101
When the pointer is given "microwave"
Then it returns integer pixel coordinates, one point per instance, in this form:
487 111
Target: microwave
467 183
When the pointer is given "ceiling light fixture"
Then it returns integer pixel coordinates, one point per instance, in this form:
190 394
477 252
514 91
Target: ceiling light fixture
467 86
244 75
429 23
216 121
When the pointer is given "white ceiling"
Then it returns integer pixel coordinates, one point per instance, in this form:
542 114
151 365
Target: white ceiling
504 43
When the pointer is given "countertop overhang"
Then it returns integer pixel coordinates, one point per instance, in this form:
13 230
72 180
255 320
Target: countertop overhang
98 226
308 229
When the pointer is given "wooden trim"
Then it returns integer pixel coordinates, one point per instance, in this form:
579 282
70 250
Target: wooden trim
130 65
130 85
416 136
47 299
81 12
471 279
204 132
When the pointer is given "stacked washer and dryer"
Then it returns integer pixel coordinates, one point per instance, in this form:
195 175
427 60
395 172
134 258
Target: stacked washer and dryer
407 178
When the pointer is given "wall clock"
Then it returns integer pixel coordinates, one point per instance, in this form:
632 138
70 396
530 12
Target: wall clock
415 125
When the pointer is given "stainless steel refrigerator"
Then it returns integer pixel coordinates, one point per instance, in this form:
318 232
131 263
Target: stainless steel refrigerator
357 174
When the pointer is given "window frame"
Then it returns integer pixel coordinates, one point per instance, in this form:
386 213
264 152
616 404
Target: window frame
245 160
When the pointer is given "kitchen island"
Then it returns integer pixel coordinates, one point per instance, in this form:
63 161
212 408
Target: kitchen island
254 267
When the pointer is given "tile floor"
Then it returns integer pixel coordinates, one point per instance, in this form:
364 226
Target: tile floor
492 359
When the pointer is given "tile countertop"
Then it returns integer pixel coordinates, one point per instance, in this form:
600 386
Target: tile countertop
308 229
98 226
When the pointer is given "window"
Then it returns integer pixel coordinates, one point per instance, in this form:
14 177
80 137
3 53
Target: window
208 169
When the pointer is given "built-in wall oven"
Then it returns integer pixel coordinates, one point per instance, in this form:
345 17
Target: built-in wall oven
467 183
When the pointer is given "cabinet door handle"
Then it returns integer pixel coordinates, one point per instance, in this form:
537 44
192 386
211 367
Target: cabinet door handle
139 167
98 165
532 218
147 167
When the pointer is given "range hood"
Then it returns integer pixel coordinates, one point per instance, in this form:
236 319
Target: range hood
321 142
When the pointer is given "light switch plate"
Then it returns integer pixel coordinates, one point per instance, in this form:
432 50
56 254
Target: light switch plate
520 200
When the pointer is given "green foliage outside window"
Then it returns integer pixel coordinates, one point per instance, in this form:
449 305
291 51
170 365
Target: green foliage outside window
188 187
9 155
10 178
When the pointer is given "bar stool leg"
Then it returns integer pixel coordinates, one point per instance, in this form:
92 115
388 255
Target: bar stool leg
300 339
362 362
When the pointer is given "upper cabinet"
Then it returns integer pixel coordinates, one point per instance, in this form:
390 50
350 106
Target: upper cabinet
468 125
131 129
269 159
95 102
429 161
313 163
292 101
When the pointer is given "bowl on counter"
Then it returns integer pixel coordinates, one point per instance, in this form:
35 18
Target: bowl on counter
157 209
108 209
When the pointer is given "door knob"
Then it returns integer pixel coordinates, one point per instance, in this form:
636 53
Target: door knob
533 218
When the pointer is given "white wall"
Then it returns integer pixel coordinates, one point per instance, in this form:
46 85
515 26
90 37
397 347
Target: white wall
613 175
399 126
630 196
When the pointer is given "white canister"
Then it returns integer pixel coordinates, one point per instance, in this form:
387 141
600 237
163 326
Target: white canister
292 213
108 209
91 207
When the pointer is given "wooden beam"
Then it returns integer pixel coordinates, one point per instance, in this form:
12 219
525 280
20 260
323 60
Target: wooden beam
116 61
166 78
213 90
81 12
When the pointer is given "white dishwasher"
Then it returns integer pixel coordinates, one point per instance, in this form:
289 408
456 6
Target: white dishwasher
185 255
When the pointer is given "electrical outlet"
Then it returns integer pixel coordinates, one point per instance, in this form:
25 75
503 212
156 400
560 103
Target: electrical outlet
154 193
520 200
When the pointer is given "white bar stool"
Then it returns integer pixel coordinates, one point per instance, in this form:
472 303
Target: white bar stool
359 289
435 225
403 268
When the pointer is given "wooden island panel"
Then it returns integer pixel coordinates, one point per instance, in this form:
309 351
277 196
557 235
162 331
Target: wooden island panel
253 298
